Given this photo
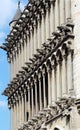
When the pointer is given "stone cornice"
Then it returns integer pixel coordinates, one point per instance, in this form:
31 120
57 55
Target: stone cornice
34 7
42 56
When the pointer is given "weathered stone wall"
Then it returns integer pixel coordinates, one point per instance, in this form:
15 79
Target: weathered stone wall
76 62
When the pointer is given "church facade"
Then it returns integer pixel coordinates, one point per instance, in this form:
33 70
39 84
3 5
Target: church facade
43 52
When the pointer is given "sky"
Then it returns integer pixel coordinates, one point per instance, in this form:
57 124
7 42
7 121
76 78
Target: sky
7 11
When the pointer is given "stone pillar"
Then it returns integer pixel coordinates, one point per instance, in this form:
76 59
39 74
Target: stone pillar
19 110
22 107
44 88
17 116
69 71
40 94
56 14
28 47
25 48
43 26
52 16
25 103
13 64
32 99
59 85
39 32
31 42
12 116
49 85
21 52
11 73
35 37
19 46
54 89
62 11
47 22
29 109
68 9
64 74
36 94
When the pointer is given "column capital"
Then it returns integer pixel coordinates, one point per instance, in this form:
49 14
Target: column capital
27 32
42 11
38 17
39 75
49 69
31 28
47 6
34 23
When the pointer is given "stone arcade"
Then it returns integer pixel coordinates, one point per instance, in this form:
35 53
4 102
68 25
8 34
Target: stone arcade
43 53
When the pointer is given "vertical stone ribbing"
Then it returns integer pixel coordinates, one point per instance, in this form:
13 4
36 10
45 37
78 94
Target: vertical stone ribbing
47 21
40 94
39 31
56 14
64 73
49 72
52 17
36 95
62 12
43 26
44 89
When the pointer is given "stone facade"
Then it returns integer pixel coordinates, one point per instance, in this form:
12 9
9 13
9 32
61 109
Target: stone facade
43 51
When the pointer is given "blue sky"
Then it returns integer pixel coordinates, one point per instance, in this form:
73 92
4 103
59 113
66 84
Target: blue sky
7 11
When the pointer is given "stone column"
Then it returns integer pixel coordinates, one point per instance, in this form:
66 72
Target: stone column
56 14
49 85
44 88
40 94
68 9
62 11
69 71
54 89
25 103
17 116
13 64
31 42
21 52
25 48
17 59
22 107
64 74
11 73
28 47
35 37
12 113
52 16
29 109
59 85
13 117
32 99
20 110
39 32
47 22
43 26
36 94
19 46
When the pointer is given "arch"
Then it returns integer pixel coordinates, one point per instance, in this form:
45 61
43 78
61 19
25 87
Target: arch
48 63
64 48
59 54
43 66
53 59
